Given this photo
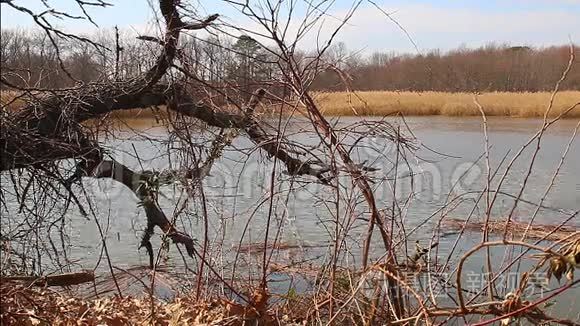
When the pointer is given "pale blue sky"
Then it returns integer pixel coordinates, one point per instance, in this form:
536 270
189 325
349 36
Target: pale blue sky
442 24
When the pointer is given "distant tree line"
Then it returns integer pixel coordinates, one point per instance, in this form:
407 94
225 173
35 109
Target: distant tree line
243 62
31 60
489 68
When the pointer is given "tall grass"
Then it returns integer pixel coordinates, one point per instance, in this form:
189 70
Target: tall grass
381 103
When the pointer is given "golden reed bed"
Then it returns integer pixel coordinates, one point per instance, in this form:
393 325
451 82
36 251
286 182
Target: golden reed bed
382 103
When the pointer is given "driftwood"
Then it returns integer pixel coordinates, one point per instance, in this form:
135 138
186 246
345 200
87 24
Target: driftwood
67 279
516 229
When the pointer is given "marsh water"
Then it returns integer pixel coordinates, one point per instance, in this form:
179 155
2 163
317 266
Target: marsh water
449 172
449 163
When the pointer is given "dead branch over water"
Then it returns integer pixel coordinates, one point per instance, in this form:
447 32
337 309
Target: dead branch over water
368 268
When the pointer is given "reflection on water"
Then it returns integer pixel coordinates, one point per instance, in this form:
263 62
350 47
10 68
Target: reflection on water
448 168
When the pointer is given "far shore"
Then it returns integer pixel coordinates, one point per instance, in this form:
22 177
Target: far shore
382 103
385 103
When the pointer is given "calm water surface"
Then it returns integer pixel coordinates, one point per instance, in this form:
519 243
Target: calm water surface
239 182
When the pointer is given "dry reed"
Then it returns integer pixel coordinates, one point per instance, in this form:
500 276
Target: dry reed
382 103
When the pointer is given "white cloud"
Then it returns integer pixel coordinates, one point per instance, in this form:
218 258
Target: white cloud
429 25
433 27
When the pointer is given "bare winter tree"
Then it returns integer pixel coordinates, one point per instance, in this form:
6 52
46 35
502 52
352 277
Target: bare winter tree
220 86
50 127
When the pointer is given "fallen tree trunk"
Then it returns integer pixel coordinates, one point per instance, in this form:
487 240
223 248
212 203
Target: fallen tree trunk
67 279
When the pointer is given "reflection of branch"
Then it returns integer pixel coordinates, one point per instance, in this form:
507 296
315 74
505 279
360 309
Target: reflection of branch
138 183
